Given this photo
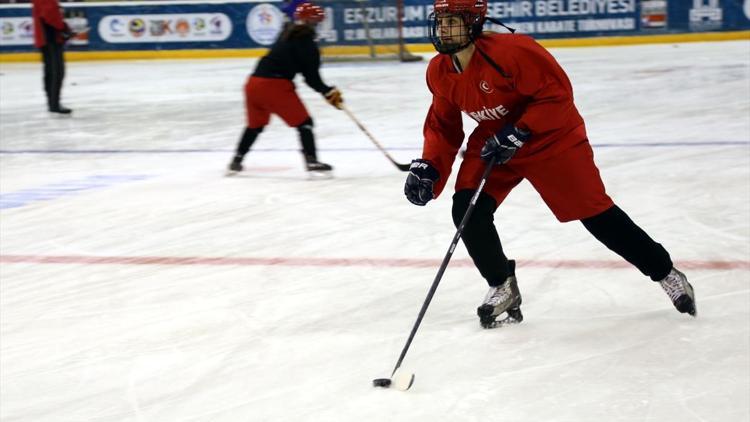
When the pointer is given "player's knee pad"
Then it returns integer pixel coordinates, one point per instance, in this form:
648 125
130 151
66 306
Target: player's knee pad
483 211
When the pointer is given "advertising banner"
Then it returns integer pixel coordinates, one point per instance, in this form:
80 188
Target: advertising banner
165 26
16 31
159 28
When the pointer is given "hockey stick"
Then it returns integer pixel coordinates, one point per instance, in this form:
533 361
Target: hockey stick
402 167
404 381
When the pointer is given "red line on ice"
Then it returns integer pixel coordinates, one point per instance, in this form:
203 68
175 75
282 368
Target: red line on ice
347 262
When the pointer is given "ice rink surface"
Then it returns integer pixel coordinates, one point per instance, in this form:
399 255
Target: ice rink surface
140 284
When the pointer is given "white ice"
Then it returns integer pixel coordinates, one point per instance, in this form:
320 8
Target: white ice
316 284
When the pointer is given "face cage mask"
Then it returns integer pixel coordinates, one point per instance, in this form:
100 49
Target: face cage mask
451 48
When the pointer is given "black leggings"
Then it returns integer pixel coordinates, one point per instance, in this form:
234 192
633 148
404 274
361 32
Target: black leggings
306 137
480 236
54 68
621 235
612 227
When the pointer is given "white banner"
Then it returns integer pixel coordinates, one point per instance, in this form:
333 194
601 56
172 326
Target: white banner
16 31
178 27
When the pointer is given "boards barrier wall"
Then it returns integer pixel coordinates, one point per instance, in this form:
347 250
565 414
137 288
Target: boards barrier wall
231 25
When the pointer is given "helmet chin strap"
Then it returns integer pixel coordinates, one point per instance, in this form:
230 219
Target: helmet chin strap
493 20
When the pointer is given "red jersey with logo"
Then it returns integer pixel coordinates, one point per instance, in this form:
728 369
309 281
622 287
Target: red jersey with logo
529 89
519 82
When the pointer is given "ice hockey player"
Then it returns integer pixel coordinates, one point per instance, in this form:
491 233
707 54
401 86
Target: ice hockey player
270 90
522 101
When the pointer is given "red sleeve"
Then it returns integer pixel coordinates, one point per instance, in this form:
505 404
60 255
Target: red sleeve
539 77
443 135
49 12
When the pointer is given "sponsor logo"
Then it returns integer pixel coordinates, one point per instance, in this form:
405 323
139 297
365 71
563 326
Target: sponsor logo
160 27
116 25
26 29
265 17
216 24
78 23
495 113
16 31
199 24
654 14
264 22
182 27
706 15
485 86
137 27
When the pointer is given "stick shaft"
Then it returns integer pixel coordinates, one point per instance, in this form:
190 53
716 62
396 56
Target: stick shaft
403 167
444 264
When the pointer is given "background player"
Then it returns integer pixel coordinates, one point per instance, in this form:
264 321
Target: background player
50 34
270 89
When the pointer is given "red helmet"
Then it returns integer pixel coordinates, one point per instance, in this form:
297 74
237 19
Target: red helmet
471 12
309 13
462 7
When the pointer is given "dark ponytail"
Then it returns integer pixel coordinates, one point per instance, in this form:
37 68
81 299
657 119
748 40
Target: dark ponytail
295 31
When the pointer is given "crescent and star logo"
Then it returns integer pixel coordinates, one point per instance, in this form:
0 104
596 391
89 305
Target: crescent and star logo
484 86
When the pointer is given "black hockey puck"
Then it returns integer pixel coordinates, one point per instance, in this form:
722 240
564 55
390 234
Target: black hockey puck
381 382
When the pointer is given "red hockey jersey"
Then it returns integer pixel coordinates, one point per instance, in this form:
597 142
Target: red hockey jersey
48 12
525 86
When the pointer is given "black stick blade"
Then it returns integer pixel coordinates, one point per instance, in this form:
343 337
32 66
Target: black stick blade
381 382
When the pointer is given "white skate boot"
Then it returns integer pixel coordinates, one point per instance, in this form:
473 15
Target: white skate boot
505 298
679 291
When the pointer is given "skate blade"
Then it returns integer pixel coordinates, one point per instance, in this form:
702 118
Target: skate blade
230 173
686 303
487 320
319 175
509 320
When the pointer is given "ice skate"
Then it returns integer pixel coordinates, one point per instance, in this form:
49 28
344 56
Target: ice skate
235 166
678 289
505 298
318 170
60 110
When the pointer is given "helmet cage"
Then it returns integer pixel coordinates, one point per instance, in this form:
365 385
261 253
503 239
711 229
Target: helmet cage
471 21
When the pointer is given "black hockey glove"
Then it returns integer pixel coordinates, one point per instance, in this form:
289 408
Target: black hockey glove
422 176
67 33
504 144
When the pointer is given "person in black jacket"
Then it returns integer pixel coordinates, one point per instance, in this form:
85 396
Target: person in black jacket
270 89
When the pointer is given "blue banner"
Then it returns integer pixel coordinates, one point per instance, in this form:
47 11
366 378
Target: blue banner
174 26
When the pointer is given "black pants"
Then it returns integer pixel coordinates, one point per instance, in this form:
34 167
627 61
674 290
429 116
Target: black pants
612 227
306 138
54 70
